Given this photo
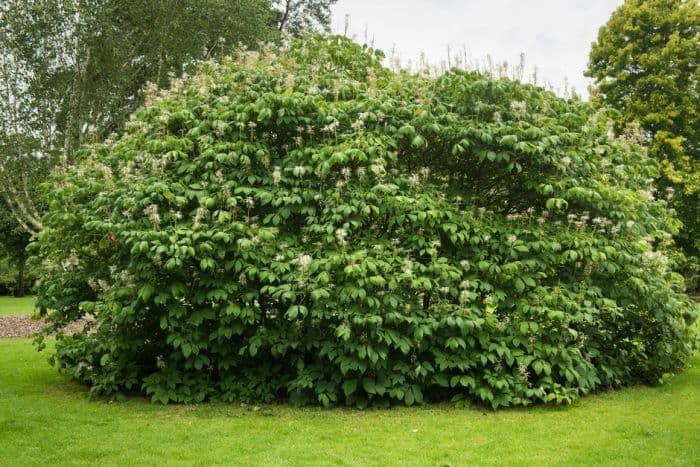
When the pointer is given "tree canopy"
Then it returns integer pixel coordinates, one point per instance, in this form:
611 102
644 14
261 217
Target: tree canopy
645 63
73 70
306 224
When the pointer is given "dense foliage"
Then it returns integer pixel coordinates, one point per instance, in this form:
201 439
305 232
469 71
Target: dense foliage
308 225
645 63
13 253
74 70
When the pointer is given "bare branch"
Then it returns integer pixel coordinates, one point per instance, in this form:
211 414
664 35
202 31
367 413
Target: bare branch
285 15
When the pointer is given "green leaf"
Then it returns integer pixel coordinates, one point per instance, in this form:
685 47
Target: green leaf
537 366
409 397
146 292
418 142
296 310
343 331
377 280
441 380
417 394
407 130
509 140
349 387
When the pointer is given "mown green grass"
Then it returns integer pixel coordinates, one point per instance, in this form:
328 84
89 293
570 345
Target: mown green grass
11 306
46 419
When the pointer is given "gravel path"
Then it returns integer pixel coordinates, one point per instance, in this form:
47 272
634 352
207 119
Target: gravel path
25 326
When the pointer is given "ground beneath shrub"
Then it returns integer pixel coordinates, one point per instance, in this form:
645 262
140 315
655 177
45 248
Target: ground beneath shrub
25 326
46 419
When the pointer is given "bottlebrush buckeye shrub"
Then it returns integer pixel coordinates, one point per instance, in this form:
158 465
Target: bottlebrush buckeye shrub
308 225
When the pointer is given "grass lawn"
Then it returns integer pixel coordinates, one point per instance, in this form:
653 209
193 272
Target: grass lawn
11 306
45 419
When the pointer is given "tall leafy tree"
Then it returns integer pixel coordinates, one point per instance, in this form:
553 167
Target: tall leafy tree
71 70
645 63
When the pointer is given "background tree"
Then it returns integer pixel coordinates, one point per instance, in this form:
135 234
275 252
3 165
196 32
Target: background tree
18 218
645 63
13 243
71 70
296 17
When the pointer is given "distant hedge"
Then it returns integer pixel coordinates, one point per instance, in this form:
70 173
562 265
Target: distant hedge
307 225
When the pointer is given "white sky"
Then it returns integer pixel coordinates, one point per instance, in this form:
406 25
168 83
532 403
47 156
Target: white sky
555 35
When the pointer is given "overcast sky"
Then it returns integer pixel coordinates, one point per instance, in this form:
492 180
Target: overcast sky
554 35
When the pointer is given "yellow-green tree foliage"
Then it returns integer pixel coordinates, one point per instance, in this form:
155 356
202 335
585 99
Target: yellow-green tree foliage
645 63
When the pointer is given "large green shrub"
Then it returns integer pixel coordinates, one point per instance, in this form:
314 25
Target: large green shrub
310 225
